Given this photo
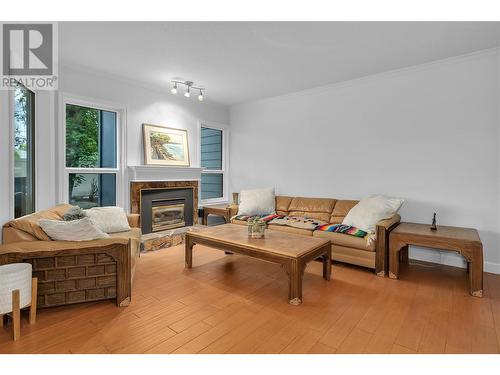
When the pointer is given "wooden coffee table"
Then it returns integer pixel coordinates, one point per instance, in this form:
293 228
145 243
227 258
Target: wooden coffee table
293 252
465 241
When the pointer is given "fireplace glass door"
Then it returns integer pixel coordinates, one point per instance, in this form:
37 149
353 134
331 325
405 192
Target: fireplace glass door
167 216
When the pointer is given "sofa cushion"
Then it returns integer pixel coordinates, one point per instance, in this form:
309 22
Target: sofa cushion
29 223
282 204
10 235
341 209
346 240
283 228
133 233
297 222
353 256
315 208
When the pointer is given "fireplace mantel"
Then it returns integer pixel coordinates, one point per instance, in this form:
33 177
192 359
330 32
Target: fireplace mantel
163 173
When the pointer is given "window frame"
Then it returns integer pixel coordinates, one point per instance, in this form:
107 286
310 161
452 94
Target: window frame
225 161
119 171
33 145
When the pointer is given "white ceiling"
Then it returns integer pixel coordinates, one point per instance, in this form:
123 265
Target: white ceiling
239 62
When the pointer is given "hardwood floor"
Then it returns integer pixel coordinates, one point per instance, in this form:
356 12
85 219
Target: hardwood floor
235 304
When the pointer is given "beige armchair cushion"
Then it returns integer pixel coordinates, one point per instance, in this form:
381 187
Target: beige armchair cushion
342 207
29 223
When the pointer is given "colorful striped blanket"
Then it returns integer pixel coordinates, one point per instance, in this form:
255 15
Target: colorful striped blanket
340 228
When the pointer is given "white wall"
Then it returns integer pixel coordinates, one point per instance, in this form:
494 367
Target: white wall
143 105
429 133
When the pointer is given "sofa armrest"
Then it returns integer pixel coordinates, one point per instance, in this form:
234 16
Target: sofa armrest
134 220
57 246
387 223
384 227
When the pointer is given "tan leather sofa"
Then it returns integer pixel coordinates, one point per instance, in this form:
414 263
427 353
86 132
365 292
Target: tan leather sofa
71 272
345 248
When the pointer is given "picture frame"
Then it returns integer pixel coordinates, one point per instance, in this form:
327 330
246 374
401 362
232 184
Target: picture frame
165 146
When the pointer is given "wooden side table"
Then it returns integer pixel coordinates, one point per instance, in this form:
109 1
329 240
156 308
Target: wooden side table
465 241
219 210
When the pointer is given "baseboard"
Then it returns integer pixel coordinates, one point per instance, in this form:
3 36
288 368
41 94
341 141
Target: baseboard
492 267
448 259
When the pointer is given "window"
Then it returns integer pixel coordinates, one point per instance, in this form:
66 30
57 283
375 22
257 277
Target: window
91 150
24 151
213 140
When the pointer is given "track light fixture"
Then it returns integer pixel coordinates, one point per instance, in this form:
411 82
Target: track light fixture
189 85
173 90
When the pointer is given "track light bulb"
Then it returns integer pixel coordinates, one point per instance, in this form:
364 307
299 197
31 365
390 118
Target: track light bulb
200 97
187 94
173 90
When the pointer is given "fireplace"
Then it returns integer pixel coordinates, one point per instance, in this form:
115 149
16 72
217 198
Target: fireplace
167 216
164 205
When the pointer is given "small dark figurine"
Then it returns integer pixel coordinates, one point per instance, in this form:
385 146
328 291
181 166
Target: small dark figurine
433 225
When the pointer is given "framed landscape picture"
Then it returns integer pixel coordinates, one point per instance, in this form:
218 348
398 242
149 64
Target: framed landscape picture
165 146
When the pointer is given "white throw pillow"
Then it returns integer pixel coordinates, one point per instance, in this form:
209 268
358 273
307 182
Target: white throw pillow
75 230
257 202
369 211
109 219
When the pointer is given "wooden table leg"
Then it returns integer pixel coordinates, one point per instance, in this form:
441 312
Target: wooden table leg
295 274
204 221
189 252
403 254
34 288
394 248
476 273
1 320
16 314
327 264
